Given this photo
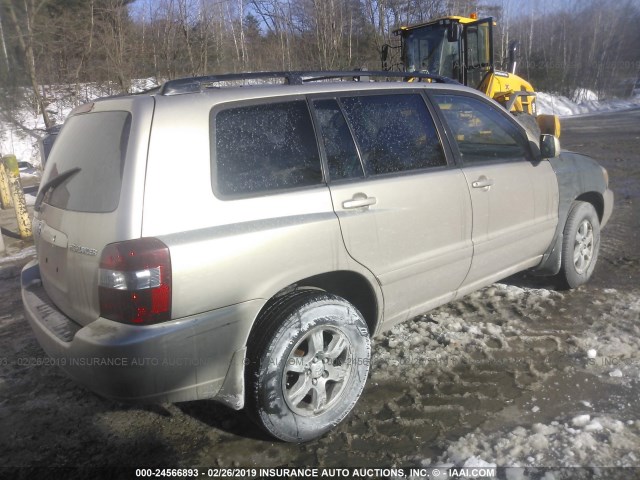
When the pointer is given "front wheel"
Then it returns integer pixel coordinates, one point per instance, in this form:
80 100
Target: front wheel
580 245
308 363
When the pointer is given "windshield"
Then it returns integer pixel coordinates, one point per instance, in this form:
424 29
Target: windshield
427 50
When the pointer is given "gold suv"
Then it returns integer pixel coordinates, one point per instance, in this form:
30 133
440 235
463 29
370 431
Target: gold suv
243 243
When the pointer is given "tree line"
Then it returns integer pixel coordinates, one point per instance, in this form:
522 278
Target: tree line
577 44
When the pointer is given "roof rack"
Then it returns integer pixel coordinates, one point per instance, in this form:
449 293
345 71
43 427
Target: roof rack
198 84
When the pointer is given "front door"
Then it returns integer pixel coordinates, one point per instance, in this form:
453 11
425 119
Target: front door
514 198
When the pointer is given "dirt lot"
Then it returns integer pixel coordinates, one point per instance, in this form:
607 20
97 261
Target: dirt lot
503 376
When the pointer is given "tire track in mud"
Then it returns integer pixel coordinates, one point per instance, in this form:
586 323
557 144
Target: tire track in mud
620 244
480 361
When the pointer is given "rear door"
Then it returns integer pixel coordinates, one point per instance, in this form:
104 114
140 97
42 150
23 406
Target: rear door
91 195
514 197
405 214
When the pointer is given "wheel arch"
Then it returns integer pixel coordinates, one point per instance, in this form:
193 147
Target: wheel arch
350 285
354 288
551 262
595 199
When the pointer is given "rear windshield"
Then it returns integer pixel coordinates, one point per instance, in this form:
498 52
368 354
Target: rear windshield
96 143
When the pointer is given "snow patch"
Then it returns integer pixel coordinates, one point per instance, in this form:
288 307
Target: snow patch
601 441
580 420
475 462
582 95
20 255
586 102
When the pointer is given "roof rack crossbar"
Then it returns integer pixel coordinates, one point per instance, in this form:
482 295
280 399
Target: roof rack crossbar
198 84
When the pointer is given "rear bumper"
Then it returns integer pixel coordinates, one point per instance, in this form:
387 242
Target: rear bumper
186 359
607 198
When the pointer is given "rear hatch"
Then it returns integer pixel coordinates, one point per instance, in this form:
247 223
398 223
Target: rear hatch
90 195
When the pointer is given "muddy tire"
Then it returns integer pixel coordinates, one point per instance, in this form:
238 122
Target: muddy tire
309 357
580 245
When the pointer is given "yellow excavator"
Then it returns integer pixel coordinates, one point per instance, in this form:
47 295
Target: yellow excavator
461 48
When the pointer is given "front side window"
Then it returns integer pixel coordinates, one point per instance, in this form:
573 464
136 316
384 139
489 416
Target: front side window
262 148
481 132
395 133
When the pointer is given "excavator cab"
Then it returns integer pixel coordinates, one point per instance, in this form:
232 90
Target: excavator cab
461 48
450 47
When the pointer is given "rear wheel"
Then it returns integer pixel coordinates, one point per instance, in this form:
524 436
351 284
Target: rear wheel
309 360
580 245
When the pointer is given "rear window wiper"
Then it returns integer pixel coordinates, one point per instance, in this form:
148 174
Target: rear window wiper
53 183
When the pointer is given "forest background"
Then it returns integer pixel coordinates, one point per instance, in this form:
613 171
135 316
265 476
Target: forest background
564 46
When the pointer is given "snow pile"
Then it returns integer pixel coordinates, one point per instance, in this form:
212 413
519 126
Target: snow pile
582 95
585 102
568 442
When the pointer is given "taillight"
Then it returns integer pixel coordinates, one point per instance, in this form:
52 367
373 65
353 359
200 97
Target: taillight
135 282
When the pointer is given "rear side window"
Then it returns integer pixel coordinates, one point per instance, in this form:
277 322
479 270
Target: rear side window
96 144
395 133
481 132
262 148
342 156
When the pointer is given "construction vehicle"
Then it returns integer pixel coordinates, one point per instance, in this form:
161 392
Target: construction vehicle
461 48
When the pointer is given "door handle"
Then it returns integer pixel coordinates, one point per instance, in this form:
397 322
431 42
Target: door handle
359 200
482 182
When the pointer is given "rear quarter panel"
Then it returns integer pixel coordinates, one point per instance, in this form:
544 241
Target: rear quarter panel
225 252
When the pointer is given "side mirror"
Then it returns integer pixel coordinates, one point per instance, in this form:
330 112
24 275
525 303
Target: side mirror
549 146
453 33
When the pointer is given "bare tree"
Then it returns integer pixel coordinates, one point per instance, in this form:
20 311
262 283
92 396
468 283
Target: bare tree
114 38
4 45
24 24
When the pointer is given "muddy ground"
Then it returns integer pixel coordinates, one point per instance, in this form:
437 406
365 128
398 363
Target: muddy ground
503 375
